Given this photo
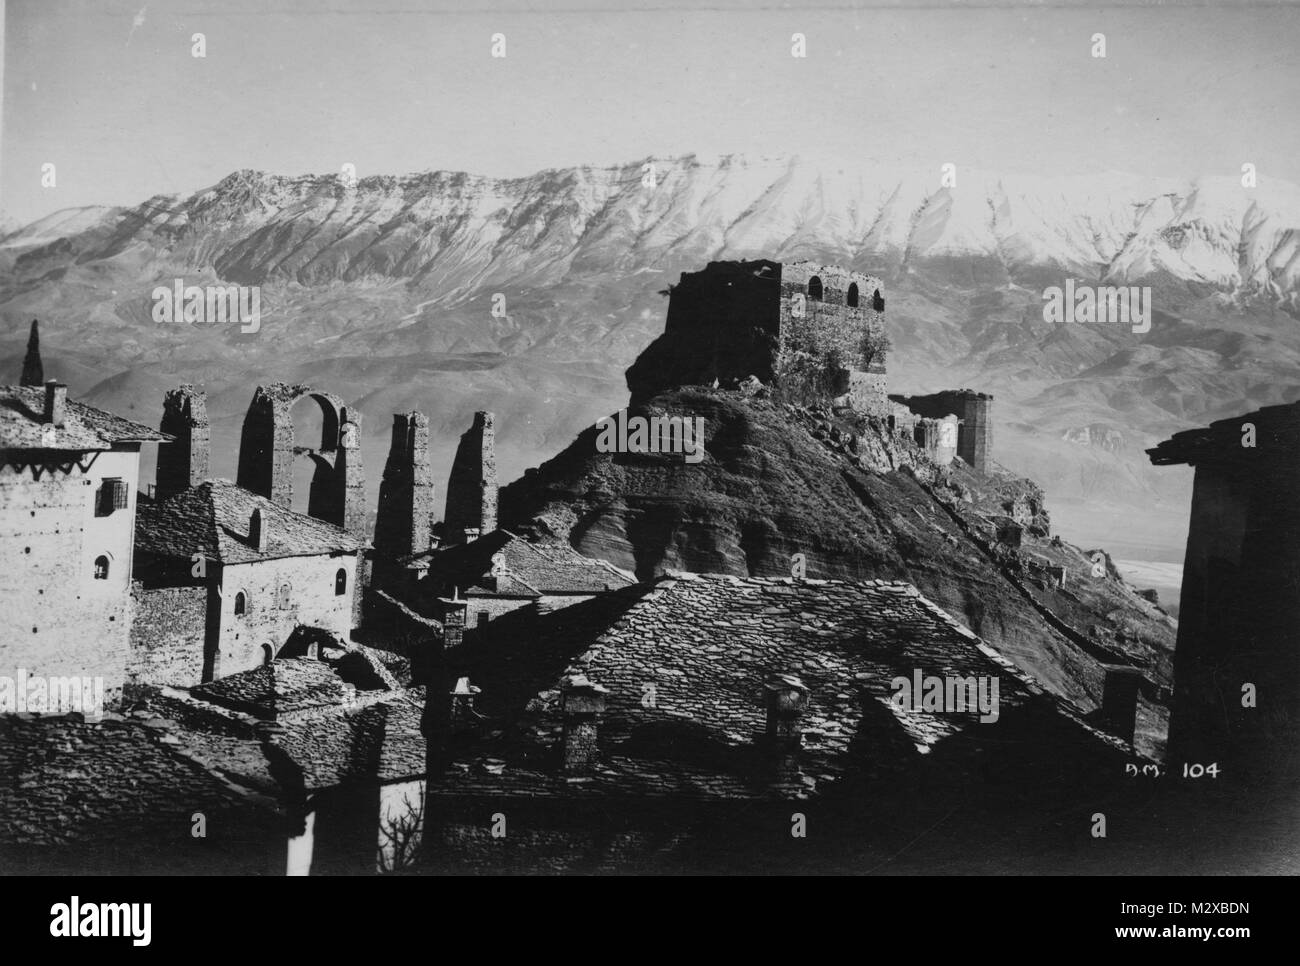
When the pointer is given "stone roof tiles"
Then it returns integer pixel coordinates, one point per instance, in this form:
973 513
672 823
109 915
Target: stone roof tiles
212 519
22 424
704 647
530 569
282 687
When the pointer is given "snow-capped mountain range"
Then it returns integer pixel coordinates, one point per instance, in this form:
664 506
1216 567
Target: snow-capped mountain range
458 232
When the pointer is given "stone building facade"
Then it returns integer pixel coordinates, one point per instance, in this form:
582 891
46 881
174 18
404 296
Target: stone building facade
1236 696
263 570
69 475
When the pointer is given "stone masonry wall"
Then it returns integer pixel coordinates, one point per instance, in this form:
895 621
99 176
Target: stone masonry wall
59 619
311 598
168 636
472 486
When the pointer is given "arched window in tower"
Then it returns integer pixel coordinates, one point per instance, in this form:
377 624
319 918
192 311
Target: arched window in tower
340 583
241 603
852 297
101 567
877 301
815 288
282 601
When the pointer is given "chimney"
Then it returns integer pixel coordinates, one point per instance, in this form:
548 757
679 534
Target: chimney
452 612
258 532
582 703
56 403
462 701
787 699
1119 700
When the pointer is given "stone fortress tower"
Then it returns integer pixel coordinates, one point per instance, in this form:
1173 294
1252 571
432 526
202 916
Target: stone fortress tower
813 330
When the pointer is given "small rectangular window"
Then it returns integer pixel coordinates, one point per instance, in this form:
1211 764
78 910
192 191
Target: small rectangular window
112 496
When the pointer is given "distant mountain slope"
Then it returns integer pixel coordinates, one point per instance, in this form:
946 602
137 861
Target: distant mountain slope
383 291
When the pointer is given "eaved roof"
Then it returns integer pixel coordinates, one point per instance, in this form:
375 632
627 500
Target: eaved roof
530 569
23 426
284 686
708 645
212 519
1277 430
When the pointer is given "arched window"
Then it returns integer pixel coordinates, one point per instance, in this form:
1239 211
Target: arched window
340 583
282 600
852 298
268 654
101 567
241 603
877 301
815 288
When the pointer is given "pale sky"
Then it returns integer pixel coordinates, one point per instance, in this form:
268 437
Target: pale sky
108 91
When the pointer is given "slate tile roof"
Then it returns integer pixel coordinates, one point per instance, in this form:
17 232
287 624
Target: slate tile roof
283 687
1277 430
64 781
381 741
213 519
531 569
22 424
707 645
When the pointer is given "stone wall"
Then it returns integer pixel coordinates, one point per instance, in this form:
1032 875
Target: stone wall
802 326
168 636
472 486
311 598
404 525
266 455
974 409
59 618
723 323
183 463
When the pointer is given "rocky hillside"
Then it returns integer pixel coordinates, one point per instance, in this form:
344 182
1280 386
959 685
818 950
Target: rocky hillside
856 502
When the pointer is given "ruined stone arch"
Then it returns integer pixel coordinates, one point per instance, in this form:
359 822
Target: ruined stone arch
268 449
815 288
851 298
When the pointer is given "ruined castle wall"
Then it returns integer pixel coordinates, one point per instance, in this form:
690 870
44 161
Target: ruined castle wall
472 486
974 409
59 620
311 600
723 323
404 525
167 636
183 463
829 332
266 455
